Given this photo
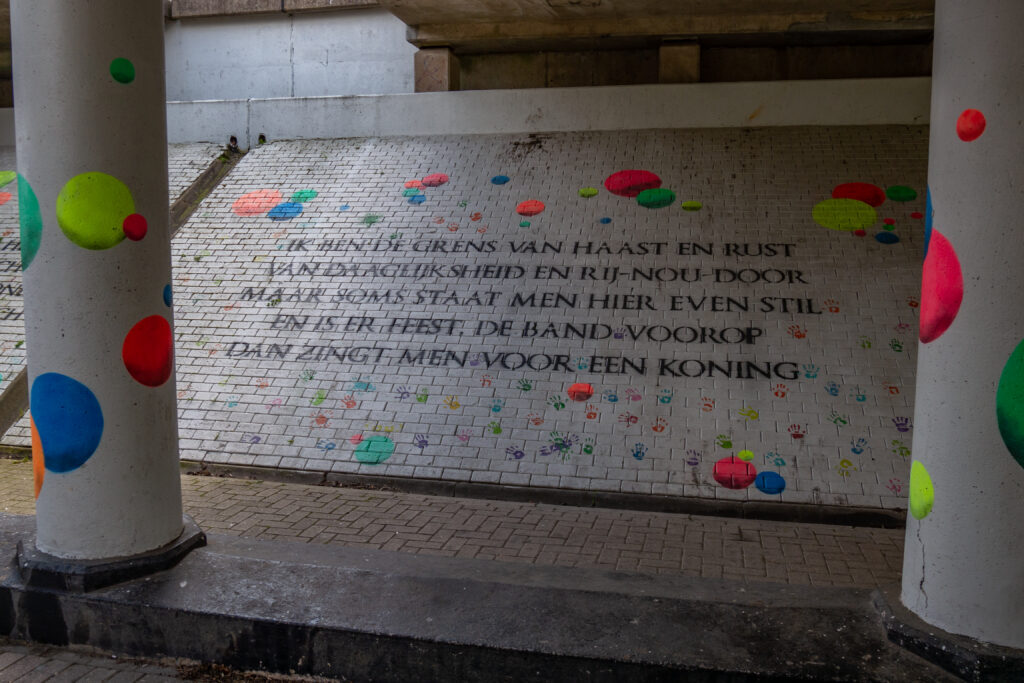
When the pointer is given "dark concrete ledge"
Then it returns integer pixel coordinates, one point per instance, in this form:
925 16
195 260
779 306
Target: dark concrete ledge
780 512
188 9
381 616
970 659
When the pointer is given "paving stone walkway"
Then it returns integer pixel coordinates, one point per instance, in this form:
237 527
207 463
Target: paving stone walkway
538 534
27 663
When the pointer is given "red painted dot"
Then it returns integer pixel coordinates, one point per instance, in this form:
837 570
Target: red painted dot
435 180
631 183
859 233
970 125
148 351
862 192
135 227
890 221
733 473
580 392
917 214
531 207
4 198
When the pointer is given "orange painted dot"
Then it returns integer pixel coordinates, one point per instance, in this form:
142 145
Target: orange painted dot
531 207
38 463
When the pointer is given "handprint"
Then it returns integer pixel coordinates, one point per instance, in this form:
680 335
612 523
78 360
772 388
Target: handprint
452 402
780 390
349 401
659 425
515 453
665 396
497 404
556 402
797 431
810 370
902 424
796 331
707 404
749 414
628 419
422 396
420 441
610 396
591 411
857 445
495 427
633 395
525 385
832 388
639 451
402 393
535 419
723 441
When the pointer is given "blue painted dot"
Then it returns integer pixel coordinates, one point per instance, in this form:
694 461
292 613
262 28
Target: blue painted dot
929 212
887 238
344 207
500 179
770 483
68 419
285 211
606 220
418 199
168 296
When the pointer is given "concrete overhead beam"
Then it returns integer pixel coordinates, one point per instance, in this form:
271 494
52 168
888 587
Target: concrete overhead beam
188 9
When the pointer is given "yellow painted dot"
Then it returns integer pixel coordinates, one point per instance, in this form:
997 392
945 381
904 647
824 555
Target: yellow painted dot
91 209
922 493
745 456
844 214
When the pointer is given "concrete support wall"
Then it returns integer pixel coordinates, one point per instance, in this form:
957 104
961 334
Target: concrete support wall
92 189
964 564
361 51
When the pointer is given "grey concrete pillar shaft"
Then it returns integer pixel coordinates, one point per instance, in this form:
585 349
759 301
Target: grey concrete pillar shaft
92 188
963 568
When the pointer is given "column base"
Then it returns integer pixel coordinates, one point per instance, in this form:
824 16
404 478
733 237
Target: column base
42 570
965 657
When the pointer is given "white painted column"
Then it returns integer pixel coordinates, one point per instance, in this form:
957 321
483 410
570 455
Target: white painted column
963 570
92 158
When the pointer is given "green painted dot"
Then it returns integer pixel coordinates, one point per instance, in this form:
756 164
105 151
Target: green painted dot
31 221
657 198
692 206
1010 404
901 193
371 218
91 209
745 456
844 214
922 493
122 70
374 450
524 224
588 192
303 196
7 177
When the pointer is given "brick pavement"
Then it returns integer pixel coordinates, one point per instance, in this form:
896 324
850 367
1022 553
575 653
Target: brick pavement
28 663
538 534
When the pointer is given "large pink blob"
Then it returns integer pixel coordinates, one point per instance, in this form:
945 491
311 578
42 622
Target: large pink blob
631 183
942 288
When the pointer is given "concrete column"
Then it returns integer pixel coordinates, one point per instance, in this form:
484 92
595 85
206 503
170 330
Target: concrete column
679 62
436 69
963 570
92 188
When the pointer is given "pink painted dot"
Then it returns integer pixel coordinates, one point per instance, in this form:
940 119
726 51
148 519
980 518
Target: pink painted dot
356 439
860 233
135 227
733 473
531 207
970 125
148 351
435 180
890 221
631 183
917 214
942 288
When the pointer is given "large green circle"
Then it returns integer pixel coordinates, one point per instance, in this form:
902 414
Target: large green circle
91 209
844 214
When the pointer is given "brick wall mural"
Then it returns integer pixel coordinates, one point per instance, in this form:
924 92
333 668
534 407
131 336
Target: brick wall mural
724 314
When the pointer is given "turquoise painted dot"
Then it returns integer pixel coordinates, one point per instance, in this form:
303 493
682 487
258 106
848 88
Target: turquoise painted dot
374 450
168 296
31 221
500 179
524 224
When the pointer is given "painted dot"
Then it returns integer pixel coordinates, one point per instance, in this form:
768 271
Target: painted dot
531 207
889 227
374 450
411 192
168 296
890 221
256 203
657 198
304 196
30 220
887 238
410 184
917 215
68 419
435 180
7 177
91 209
148 351
929 217
285 211
122 70
344 207
745 456
580 392
631 183
606 220
356 439
733 473
371 218
844 214
970 125
588 192
860 233
692 206
135 227
38 459
1010 404
418 199
901 193
524 224
922 492
5 197
871 195
942 288
770 483
500 179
